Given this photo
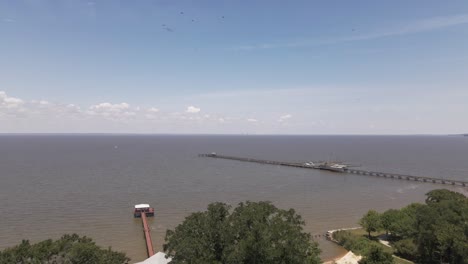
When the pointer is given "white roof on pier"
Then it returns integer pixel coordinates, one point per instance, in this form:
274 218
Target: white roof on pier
140 206
158 258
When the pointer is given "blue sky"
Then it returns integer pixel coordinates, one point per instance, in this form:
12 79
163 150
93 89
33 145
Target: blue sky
258 67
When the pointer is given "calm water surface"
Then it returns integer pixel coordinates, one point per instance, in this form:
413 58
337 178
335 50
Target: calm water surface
88 184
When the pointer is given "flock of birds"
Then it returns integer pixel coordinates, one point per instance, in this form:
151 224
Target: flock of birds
170 29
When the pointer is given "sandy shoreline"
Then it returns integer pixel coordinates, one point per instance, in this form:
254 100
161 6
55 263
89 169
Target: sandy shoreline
348 258
330 261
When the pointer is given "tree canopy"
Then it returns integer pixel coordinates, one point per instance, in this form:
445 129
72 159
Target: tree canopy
388 219
442 228
70 249
435 232
371 221
253 232
376 255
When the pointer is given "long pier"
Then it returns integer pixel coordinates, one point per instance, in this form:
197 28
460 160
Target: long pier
146 229
144 211
347 170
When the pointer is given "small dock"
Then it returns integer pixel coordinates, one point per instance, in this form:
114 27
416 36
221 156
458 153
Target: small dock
144 211
346 170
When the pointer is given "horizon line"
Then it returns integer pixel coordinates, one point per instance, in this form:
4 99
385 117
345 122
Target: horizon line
218 134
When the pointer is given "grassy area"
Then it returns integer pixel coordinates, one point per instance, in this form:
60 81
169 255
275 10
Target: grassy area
357 241
362 232
399 260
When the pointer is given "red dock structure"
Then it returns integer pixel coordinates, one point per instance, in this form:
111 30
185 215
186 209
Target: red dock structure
143 211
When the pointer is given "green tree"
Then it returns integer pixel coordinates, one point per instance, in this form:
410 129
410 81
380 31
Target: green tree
405 225
371 222
201 237
442 224
251 233
69 249
376 255
406 248
389 218
441 195
435 232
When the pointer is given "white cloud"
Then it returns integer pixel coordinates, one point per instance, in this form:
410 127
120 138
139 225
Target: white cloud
17 115
112 111
284 117
192 109
11 105
73 108
51 108
8 102
110 107
151 113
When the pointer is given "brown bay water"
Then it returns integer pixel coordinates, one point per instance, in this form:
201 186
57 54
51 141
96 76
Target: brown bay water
88 184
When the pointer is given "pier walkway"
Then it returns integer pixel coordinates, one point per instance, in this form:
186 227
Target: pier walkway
144 211
146 229
347 170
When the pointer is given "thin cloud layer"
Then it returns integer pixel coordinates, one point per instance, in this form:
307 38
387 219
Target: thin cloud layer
8 20
153 110
419 26
284 117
